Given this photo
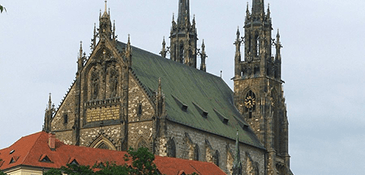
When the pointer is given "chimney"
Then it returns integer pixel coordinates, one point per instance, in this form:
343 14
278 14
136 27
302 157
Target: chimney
52 141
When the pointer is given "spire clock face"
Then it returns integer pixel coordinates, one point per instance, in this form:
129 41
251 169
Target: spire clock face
249 102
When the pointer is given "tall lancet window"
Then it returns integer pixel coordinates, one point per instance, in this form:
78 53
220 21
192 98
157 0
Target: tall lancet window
257 40
182 59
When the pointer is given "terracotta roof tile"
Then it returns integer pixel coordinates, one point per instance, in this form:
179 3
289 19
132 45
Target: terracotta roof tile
31 150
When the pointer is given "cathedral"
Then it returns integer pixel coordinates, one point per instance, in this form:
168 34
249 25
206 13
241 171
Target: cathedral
125 97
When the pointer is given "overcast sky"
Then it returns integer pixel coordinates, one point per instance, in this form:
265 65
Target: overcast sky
323 64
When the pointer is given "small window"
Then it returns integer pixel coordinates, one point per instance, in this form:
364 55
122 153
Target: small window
139 109
46 159
65 118
74 162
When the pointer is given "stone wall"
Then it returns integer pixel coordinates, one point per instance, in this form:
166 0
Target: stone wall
67 109
102 113
89 135
189 141
139 105
140 134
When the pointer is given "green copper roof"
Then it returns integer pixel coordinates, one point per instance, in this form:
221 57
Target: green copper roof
193 97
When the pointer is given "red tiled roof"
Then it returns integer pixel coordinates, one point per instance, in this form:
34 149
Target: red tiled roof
32 149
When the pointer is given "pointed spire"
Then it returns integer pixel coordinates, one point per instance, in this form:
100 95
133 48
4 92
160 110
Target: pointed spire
184 12
80 51
237 165
194 21
128 51
93 44
48 115
258 7
49 101
160 100
278 46
106 5
80 60
159 86
164 50
114 30
203 56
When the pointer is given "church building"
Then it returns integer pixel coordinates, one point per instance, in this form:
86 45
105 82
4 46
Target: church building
124 96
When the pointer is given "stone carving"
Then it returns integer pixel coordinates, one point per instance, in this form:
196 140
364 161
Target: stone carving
113 82
94 84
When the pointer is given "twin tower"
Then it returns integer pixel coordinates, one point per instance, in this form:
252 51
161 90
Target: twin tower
258 92
257 42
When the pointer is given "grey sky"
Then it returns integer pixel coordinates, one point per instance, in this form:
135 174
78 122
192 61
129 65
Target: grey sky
323 64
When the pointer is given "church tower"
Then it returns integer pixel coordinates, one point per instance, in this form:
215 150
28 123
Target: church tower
184 37
258 92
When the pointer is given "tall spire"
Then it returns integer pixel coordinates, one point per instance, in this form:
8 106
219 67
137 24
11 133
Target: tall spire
105 25
184 12
258 7
183 37
164 50
278 46
203 56
48 115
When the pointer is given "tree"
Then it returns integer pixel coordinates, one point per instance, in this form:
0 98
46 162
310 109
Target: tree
2 173
142 163
2 8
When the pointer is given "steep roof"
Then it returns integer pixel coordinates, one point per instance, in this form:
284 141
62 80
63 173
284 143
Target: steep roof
193 97
32 149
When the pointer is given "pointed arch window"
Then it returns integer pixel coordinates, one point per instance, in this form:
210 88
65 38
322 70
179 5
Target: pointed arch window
181 52
257 42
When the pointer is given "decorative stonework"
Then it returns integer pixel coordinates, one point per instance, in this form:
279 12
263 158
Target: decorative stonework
102 113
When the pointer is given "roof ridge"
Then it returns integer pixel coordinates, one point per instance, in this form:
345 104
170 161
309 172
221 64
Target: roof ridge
34 143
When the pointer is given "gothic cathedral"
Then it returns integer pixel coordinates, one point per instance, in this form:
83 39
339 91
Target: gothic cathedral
126 97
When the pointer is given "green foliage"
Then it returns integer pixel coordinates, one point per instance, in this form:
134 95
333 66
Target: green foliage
142 161
53 172
112 168
2 8
142 164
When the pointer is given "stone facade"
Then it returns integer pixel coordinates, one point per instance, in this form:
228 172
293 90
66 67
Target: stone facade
108 107
258 87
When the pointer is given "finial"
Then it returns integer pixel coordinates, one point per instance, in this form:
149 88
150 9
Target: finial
173 16
238 32
49 102
221 74
194 19
106 5
129 39
80 50
203 45
159 86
